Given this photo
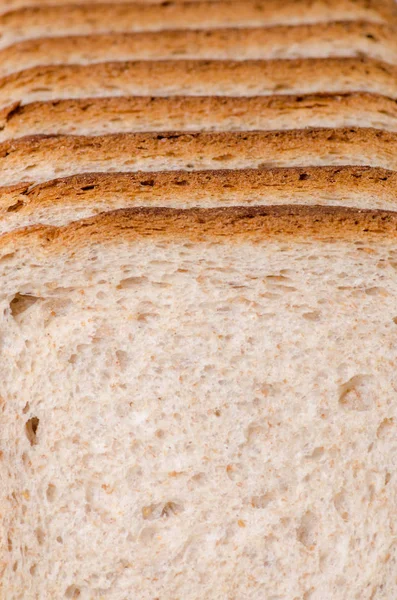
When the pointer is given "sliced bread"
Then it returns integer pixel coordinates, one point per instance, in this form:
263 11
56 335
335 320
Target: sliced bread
100 116
207 408
304 41
200 78
41 158
82 19
61 201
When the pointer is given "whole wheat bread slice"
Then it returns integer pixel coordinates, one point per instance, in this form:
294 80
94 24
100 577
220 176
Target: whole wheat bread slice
61 201
40 21
344 39
100 116
207 399
41 158
200 78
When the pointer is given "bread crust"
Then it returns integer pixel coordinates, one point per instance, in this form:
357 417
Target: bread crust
228 225
265 149
34 21
323 7
96 116
288 185
200 78
347 38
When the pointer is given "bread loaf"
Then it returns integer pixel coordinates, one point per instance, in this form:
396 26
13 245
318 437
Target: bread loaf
198 300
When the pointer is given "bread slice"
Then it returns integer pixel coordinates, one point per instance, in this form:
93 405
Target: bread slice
284 42
61 201
62 20
200 78
41 158
100 116
287 11
207 399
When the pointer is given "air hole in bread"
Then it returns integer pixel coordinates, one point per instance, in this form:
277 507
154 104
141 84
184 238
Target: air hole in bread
22 302
25 459
312 316
15 207
26 408
72 592
316 454
161 511
31 430
261 501
222 157
15 566
40 535
60 539
387 477
145 535
376 291
341 505
304 176
386 429
307 531
130 282
122 359
88 187
355 393
33 569
7 257
51 492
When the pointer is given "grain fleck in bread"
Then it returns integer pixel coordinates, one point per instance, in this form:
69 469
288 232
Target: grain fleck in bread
41 158
200 78
61 201
245 419
346 39
40 21
99 116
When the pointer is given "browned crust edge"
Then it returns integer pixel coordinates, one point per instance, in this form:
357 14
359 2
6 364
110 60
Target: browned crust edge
85 188
375 33
202 67
385 8
131 141
232 225
189 103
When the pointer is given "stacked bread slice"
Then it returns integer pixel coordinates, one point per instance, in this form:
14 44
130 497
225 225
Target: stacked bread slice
198 300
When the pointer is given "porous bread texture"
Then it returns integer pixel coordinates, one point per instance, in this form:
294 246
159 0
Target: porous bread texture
40 21
61 201
41 158
100 116
345 39
208 399
200 78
